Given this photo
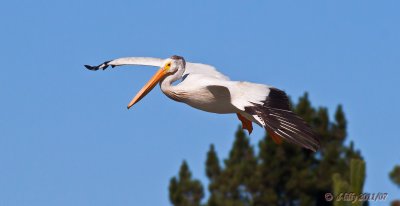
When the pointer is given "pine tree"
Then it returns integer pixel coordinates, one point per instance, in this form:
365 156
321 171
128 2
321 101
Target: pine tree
213 171
395 177
334 156
235 184
285 174
354 185
292 175
184 191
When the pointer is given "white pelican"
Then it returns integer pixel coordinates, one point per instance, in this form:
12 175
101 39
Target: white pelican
204 88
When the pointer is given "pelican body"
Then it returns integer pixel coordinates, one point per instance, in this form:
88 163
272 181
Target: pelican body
204 88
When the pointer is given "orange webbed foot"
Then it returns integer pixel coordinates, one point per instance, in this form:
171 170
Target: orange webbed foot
246 124
276 138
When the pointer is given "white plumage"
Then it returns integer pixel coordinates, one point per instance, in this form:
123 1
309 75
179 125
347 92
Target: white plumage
204 88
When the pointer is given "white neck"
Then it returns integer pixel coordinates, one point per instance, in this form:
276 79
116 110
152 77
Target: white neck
166 85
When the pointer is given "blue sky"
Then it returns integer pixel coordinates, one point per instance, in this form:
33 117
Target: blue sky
66 137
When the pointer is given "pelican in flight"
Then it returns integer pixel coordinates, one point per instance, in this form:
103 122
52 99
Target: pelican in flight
204 88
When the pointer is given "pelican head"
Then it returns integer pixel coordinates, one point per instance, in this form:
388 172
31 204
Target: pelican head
173 66
176 63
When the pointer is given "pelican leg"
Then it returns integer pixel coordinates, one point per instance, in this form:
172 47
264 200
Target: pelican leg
246 124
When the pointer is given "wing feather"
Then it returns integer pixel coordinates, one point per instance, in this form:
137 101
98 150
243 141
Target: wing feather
204 69
144 61
275 116
191 68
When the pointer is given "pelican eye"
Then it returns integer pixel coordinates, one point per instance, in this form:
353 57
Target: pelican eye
167 66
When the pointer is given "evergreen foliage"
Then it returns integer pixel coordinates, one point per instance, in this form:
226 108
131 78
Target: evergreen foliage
395 203
395 175
285 174
341 187
183 191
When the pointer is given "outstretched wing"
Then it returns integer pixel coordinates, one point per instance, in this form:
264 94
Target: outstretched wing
144 61
191 68
204 69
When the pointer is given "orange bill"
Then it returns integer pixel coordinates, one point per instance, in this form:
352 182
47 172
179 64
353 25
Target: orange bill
148 87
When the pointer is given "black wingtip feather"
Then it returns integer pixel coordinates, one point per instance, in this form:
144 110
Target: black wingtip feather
277 116
93 68
101 66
